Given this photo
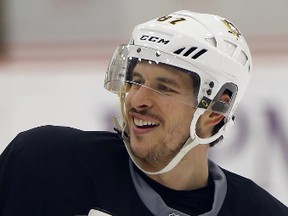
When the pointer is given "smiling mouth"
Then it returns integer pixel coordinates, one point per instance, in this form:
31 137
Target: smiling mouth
144 124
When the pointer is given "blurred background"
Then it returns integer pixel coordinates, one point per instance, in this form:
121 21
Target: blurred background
54 54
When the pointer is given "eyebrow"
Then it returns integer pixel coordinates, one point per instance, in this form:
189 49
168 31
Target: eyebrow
161 79
136 74
168 81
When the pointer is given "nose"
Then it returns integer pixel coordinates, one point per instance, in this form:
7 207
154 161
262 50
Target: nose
142 98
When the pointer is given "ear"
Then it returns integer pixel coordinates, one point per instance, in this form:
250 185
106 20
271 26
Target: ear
215 118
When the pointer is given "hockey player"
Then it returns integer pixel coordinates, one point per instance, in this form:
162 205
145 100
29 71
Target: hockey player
179 80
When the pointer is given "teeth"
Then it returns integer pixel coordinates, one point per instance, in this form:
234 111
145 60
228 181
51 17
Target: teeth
140 123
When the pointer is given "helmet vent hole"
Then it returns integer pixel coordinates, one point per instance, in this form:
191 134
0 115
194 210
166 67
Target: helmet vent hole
201 52
188 52
242 58
230 47
179 50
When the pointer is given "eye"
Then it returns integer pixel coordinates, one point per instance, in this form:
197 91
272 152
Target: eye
165 89
135 83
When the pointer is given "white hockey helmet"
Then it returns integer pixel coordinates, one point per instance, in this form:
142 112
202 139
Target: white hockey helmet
208 45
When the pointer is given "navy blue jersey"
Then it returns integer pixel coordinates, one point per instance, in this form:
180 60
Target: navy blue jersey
64 171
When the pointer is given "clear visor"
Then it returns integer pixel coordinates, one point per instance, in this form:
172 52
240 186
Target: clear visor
135 67
138 67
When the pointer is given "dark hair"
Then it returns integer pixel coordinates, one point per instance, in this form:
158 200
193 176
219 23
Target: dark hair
215 130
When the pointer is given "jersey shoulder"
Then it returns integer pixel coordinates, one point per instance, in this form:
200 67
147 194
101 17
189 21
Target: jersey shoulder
45 148
244 195
65 170
55 138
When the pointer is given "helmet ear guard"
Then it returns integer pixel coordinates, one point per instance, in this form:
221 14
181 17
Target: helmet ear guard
217 106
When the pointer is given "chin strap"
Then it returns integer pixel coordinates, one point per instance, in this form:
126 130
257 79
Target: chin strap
185 149
193 141
228 123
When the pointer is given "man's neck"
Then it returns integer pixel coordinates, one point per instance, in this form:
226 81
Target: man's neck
191 173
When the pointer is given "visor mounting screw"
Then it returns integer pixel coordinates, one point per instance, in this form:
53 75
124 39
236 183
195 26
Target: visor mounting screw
209 92
138 50
158 53
211 84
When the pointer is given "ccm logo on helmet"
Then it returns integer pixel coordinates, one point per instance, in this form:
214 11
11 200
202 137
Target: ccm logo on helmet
154 39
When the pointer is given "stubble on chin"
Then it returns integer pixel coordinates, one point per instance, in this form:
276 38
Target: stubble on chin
161 152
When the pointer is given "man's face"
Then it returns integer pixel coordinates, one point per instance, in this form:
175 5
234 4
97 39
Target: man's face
158 124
